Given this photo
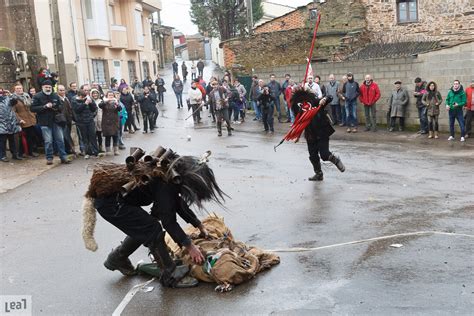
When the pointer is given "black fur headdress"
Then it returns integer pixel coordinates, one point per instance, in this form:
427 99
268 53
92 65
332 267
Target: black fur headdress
299 97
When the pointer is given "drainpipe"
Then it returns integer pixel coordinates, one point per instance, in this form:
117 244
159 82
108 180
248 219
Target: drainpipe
89 64
77 59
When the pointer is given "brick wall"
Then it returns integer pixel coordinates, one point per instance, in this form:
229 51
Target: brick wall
442 66
437 20
290 21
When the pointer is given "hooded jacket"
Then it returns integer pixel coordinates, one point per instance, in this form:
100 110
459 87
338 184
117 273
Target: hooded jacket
458 97
8 121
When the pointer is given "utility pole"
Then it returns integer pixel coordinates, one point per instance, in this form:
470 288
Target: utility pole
250 16
58 41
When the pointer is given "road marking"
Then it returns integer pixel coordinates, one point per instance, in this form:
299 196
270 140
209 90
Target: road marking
302 249
129 297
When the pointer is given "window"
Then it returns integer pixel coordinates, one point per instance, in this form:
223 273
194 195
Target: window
98 69
132 71
146 69
407 11
139 28
112 15
88 7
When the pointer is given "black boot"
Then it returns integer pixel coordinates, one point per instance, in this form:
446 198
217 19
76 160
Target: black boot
219 128
318 174
335 160
118 258
172 275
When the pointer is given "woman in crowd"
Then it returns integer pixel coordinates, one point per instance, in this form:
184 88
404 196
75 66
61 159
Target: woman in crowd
123 85
27 120
110 124
9 126
193 70
177 86
432 100
95 94
127 100
267 102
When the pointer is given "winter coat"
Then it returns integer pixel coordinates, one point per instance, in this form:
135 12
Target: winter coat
160 85
85 113
127 100
314 88
469 92
177 86
275 88
8 121
266 100
110 118
398 102
241 90
420 91
45 116
22 109
195 96
67 110
332 90
458 97
319 128
223 99
200 65
351 90
175 66
254 91
369 94
147 103
71 94
432 102
288 94
184 70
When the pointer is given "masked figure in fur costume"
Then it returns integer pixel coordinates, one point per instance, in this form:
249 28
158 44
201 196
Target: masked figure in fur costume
317 132
170 184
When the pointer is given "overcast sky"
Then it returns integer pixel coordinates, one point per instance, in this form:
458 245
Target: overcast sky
175 13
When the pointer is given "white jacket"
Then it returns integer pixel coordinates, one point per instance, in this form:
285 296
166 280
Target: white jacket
314 88
195 96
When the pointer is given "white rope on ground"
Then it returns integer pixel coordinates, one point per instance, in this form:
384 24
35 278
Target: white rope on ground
129 297
302 249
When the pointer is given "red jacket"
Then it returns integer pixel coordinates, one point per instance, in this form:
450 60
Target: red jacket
288 94
369 94
203 91
469 98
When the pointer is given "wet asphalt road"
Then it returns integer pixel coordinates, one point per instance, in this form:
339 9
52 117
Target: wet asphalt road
387 189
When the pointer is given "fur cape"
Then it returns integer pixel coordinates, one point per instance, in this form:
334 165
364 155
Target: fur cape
196 182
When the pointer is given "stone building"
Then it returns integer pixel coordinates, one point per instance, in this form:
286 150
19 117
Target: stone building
20 52
347 26
195 46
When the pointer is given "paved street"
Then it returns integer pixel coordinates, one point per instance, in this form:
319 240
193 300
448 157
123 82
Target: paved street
401 186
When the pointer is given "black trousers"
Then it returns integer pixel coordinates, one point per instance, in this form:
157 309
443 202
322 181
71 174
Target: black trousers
128 215
148 118
89 138
318 148
11 144
30 136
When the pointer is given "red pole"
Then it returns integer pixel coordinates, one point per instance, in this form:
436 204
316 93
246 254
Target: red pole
312 46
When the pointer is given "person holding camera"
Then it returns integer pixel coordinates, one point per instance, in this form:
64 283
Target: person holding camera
267 102
48 109
85 110
147 103
110 122
9 126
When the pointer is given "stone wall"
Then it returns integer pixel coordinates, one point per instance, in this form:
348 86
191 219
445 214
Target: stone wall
442 66
195 48
437 20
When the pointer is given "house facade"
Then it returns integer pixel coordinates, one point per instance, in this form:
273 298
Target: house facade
102 39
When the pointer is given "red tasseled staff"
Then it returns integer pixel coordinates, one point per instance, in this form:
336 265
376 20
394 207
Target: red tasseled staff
304 117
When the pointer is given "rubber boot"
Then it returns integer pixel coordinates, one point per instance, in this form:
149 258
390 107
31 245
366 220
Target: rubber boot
116 151
108 151
118 258
430 134
172 275
335 160
229 131
318 173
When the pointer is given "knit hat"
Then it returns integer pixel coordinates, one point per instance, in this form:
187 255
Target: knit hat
47 82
